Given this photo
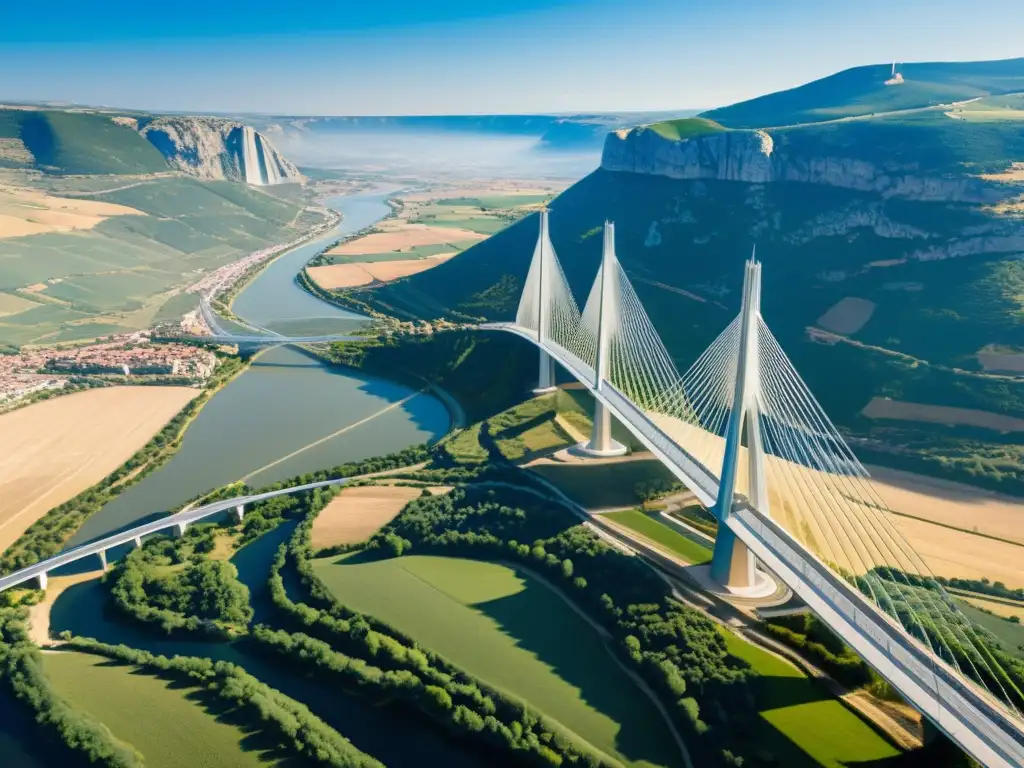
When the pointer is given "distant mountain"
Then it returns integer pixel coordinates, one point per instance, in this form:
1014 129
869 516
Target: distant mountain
86 141
863 91
913 219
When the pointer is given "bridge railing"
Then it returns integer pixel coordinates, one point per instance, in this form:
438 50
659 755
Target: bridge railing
986 717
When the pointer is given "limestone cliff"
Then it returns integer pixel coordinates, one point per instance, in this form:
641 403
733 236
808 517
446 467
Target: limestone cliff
214 148
759 157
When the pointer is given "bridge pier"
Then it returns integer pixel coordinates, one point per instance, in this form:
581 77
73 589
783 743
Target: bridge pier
137 542
102 554
546 375
179 529
42 581
601 443
240 513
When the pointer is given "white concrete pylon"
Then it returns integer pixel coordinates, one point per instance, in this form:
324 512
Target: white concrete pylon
240 513
180 528
41 581
546 372
103 558
601 442
733 565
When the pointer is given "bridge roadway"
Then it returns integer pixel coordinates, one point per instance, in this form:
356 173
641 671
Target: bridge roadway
968 715
179 521
270 341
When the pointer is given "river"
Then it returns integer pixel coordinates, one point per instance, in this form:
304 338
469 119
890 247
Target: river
288 413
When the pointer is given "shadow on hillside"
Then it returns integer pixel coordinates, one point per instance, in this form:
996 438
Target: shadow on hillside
540 622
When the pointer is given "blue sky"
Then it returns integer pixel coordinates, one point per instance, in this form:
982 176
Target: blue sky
459 56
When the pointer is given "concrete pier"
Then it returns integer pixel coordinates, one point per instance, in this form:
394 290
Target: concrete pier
546 375
240 513
180 528
601 443
41 580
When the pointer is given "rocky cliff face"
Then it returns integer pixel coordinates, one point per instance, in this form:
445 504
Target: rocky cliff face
757 157
213 148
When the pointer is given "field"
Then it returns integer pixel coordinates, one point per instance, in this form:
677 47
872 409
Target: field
1010 634
399 236
602 483
55 449
28 212
884 408
516 633
364 273
800 724
847 316
1004 608
356 513
686 128
160 719
112 259
650 528
952 504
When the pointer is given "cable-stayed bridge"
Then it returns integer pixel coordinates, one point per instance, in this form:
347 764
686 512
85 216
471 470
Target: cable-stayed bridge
259 337
742 431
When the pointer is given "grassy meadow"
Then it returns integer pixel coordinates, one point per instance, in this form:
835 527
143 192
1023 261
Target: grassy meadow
166 723
599 485
515 633
801 724
651 528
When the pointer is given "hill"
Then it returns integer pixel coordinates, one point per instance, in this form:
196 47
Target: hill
103 221
892 248
74 143
862 91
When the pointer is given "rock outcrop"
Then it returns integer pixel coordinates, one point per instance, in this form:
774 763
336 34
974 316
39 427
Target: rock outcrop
758 157
214 148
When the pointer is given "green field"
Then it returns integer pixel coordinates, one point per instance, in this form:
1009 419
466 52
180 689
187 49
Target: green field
595 486
161 720
495 201
658 532
800 724
116 277
1011 635
686 128
515 633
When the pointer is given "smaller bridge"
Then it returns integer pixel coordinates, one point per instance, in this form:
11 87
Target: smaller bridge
258 337
178 523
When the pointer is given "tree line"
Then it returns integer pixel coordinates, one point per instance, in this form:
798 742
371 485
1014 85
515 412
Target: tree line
372 659
204 596
21 669
296 728
677 650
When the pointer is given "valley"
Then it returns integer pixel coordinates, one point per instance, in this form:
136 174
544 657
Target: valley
474 587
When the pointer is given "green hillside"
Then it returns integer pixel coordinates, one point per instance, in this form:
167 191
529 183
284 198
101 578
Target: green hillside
76 143
862 91
117 276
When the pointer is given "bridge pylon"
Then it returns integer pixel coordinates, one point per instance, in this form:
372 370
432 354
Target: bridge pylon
542 302
601 442
733 565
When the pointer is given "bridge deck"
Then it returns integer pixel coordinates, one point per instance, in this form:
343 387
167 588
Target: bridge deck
124 537
969 715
